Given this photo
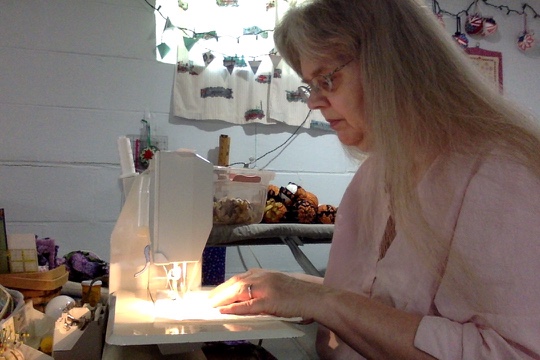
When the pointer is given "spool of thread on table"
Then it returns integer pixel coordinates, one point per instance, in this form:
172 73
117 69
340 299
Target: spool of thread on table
91 292
224 146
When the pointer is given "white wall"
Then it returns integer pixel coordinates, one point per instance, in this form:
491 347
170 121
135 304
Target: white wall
75 75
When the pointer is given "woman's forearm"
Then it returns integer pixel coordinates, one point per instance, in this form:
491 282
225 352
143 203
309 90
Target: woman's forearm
308 278
375 330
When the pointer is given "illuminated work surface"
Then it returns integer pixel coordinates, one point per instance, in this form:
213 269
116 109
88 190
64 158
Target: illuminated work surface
135 320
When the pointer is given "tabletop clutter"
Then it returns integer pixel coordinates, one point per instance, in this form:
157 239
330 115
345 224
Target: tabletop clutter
39 288
32 296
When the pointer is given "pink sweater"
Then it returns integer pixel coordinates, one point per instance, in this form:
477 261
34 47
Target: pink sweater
486 305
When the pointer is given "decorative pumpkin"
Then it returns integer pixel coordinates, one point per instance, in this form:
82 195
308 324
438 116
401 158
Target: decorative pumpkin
304 212
273 192
294 204
302 194
326 214
274 211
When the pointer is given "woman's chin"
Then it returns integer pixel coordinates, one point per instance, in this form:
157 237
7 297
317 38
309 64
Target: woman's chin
348 140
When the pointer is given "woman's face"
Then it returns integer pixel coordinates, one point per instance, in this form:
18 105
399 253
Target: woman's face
343 106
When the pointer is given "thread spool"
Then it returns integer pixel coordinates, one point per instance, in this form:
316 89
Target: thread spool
91 292
224 146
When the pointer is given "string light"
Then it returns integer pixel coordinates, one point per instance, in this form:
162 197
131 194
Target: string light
212 34
156 9
209 34
193 36
438 10
436 6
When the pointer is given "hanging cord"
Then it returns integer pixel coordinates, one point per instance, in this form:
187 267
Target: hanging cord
286 142
255 257
243 260
156 9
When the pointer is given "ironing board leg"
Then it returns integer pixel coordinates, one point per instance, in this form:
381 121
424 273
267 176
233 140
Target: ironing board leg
293 242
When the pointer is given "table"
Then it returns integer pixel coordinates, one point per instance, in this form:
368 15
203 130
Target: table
291 234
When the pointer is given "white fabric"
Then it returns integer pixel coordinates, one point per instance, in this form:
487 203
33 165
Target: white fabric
271 92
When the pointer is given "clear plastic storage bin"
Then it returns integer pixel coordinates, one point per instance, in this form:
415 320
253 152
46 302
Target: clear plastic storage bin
240 195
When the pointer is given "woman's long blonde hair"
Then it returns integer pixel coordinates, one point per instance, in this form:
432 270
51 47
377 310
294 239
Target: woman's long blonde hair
422 96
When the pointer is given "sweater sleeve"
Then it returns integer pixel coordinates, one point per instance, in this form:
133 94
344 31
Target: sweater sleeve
488 301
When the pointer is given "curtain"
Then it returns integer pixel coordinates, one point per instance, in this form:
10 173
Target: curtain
227 67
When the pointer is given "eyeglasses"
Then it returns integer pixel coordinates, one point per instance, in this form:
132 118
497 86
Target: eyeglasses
322 82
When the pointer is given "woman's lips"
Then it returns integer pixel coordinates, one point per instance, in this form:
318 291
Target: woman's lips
333 122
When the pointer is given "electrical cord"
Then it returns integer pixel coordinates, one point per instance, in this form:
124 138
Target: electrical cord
286 142
243 260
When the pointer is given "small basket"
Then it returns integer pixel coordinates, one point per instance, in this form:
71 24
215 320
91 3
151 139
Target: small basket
40 287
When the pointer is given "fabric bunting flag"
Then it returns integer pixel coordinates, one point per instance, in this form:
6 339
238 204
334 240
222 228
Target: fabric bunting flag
189 42
276 59
229 63
254 64
208 57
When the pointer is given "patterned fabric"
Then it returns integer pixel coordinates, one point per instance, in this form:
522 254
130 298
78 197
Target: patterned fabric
213 265
229 70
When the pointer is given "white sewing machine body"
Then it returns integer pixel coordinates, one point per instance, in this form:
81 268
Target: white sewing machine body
164 226
157 298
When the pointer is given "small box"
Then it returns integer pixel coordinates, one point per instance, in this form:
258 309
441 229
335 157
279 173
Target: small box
240 195
22 253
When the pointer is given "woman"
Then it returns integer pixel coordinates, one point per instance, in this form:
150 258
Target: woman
437 240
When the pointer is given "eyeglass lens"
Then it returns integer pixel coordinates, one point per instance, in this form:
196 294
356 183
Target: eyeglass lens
317 84
304 92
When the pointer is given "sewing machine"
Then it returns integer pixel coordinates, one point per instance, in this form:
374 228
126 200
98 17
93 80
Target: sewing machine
155 269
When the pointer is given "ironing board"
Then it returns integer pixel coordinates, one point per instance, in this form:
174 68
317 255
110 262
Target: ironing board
291 234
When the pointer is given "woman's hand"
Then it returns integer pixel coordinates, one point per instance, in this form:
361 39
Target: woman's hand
260 291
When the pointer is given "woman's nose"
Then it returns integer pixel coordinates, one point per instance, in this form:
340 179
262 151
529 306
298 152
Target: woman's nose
317 100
